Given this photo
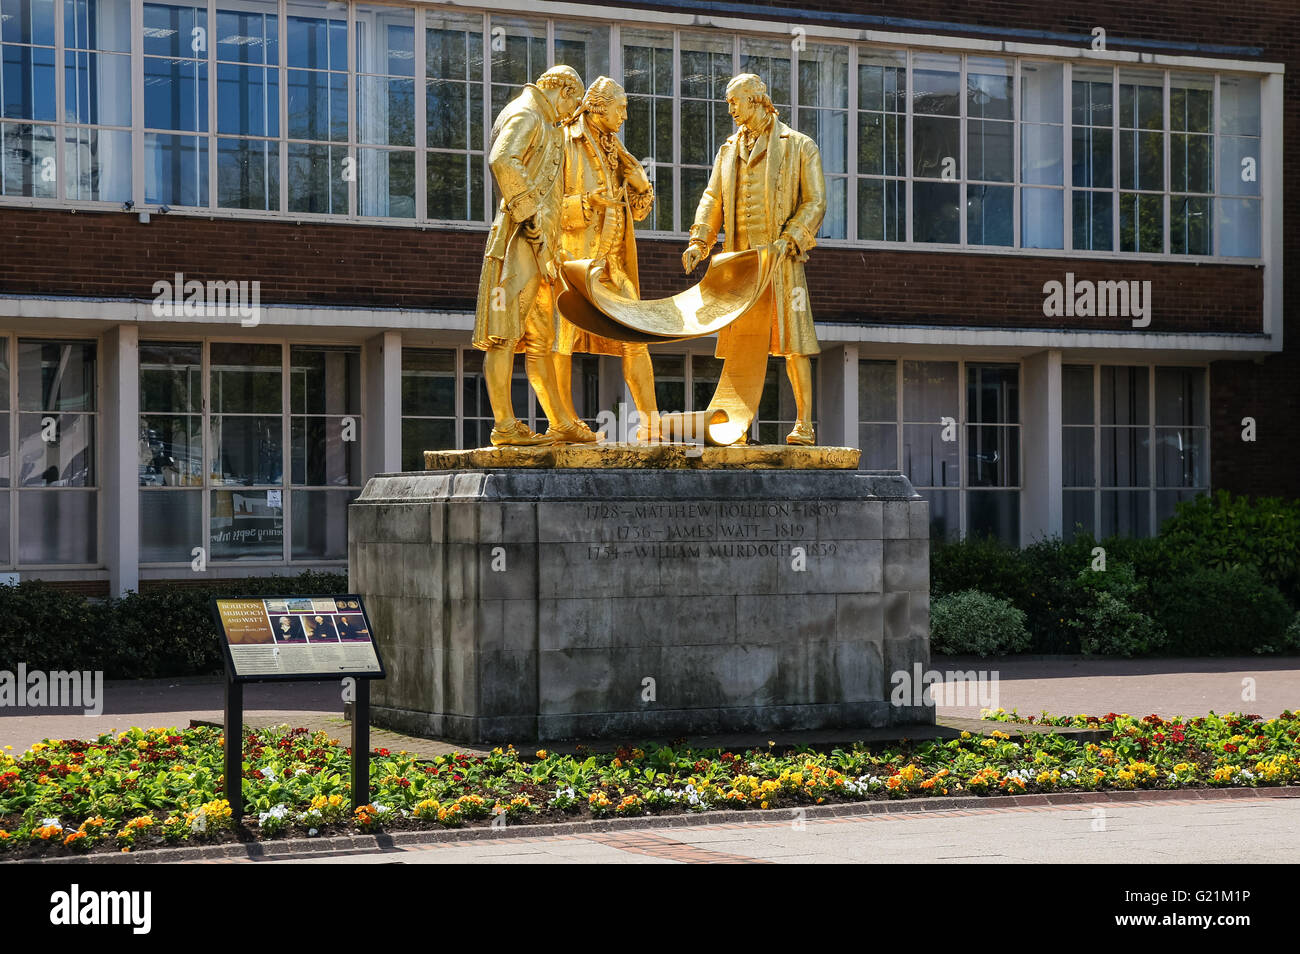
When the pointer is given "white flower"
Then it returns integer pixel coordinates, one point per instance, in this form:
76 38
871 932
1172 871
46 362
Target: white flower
267 773
311 833
51 823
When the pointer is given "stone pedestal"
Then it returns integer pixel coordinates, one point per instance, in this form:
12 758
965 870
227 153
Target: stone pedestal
515 605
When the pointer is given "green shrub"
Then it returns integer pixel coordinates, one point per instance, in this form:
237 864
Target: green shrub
1113 620
975 623
165 632
1221 611
1222 532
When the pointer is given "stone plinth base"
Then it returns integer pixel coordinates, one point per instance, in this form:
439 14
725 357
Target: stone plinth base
515 605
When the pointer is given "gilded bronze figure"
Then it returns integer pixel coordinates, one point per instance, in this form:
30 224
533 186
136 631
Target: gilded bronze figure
767 189
605 191
515 301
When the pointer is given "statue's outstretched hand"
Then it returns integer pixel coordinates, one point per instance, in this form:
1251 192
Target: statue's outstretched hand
692 257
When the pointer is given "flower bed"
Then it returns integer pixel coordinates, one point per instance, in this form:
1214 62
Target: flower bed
157 787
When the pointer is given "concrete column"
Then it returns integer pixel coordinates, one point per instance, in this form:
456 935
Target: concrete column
1040 447
381 359
120 497
837 387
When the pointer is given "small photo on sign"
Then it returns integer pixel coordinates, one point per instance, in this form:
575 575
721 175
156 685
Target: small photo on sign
277 606
300 606
288 629
320 629
352 628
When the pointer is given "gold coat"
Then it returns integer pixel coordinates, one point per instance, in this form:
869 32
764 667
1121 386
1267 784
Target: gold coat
586 231
525 155
795 197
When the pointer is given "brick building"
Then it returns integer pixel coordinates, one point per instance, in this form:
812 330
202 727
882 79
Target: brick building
334 154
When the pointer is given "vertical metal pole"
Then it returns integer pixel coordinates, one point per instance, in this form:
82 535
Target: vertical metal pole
234 725
361 745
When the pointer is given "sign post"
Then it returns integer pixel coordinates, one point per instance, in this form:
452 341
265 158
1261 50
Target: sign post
296 638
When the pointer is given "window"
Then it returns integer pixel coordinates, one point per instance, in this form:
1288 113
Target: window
1237 211
882 149
171 451
648 133
175 104
214 419
54 433
1042 197
317 108
385 38
913 416
248 105
27 105
1141 161
325 447
428 403
317 83
824 116
705 122
97 100
453 63
990 152
1134 443
1093 162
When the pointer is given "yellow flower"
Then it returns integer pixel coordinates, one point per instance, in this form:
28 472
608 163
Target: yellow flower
542 753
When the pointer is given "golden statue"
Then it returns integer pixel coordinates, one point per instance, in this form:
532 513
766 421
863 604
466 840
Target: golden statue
515 301
767 189
605 191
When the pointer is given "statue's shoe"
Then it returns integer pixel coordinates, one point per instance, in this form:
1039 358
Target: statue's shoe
518 434
803 433
576 432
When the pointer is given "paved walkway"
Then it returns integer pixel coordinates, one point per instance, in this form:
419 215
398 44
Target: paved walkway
1201 831
1066 685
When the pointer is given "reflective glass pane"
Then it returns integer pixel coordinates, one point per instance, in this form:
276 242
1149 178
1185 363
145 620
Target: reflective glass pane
877 391
320 524
994 514
171 450
246 525
1077 456
248 174
326 451
1180 396
171 525
324 380
928 459
171 377
97 164
1125 514
245 377
930 391
879 443
1076 394
1180 457
56 450
58 527
1124 395
56 375
420 434
1125 457
176 169
246 450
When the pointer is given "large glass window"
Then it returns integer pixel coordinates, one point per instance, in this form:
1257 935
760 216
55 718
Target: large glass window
913 416
248 104
56 460
428 403
385 38
1134 443
97 100
27 104
882 146
246 452
990 151
648 133
325 447
453 63
1042 197
317 107
175 104
777 412
213 463
171 451
320 169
